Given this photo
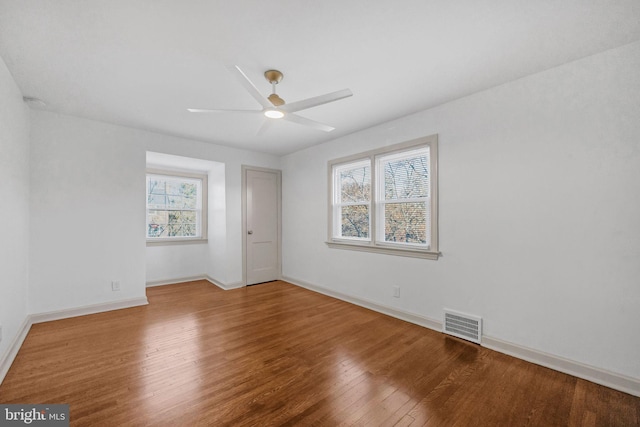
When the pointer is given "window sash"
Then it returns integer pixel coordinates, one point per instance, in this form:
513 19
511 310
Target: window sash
197 223
381 228
381 199
338 204
337 212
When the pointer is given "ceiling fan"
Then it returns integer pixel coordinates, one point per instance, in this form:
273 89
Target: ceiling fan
275 107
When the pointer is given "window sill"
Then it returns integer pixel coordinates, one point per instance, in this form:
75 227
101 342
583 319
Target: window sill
412 253
169 242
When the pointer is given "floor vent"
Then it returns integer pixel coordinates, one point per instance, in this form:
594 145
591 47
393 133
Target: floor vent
462 325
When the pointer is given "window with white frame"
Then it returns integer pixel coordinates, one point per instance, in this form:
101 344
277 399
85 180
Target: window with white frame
352 200
176 207
386 200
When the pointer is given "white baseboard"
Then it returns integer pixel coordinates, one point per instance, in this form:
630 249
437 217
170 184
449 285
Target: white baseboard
225 286
218 283
380 308
87 309
153 283
14 347
590 373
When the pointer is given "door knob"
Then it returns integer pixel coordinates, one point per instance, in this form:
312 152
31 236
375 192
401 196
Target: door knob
250 232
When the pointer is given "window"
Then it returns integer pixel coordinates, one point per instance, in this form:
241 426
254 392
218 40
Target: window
176 207
386 200
352 187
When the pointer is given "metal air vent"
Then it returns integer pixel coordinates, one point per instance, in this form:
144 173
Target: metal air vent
462 325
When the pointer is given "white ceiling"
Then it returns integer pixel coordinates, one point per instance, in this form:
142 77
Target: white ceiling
143 63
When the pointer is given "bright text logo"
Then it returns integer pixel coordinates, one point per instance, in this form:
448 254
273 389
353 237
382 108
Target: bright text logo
35 415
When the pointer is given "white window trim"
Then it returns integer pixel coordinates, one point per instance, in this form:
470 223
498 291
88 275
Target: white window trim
160 241
373 244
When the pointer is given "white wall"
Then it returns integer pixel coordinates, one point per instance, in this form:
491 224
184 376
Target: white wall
86 213
88 185
174 263
14 215
539 213
217 230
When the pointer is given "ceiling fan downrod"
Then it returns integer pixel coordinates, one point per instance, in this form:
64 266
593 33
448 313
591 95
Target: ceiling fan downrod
274 77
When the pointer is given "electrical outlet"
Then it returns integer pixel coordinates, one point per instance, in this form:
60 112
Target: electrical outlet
115 285
396 291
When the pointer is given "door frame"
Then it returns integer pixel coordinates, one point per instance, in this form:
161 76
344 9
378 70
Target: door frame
244 169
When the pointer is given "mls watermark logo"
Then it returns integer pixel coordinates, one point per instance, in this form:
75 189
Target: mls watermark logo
34 415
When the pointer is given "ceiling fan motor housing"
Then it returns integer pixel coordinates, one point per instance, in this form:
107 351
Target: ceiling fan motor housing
273 76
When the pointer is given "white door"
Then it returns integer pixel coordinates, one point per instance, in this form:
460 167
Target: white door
263 226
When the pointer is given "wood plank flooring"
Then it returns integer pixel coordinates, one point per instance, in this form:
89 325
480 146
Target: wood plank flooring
276 354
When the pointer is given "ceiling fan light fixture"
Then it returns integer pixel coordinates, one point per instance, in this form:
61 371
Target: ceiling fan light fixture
274 114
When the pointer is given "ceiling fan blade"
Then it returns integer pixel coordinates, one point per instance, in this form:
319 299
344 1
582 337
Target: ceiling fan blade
315 101
307 122
266 125
250 87
199 110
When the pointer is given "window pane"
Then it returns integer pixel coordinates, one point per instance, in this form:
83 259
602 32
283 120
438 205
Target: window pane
174 187
174 217
182 217
406 177
156 201
189 217
355 221
188 189
355 184
174 202
157 186
189 202
189 230
405 222
156 230
157 217
156 223
175 230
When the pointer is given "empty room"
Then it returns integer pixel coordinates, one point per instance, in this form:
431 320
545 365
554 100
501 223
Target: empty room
320 213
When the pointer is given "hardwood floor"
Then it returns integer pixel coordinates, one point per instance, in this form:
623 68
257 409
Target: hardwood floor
276 354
